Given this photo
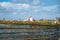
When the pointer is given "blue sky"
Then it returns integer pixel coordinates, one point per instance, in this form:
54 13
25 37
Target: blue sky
21 9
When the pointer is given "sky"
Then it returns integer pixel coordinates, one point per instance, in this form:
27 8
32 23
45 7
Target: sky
22 9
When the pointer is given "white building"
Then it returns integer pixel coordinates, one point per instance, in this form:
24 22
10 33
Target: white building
29 19
57 20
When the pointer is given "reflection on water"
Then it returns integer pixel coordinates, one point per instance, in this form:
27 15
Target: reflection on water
26 32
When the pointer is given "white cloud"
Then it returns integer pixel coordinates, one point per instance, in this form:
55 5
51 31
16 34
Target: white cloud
27 6
14 13
14 6
5 4
25 9
50 8
35 2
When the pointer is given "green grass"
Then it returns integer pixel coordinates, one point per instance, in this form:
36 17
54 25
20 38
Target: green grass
59 38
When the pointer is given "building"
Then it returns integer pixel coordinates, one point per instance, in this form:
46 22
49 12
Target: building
57 20
29 19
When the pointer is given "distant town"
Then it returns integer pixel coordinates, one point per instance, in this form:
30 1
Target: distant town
31 20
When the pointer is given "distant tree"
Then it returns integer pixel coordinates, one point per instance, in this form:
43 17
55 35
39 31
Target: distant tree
41 19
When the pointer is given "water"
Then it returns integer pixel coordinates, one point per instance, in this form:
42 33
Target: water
27 32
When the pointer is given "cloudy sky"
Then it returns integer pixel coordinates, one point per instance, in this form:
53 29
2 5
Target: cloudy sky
21 9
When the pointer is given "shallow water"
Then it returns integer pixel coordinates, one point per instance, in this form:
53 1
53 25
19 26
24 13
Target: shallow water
23 32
